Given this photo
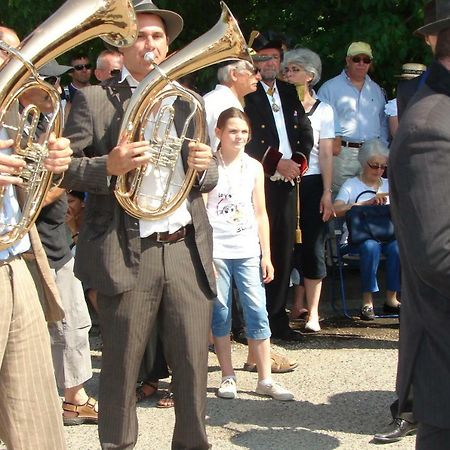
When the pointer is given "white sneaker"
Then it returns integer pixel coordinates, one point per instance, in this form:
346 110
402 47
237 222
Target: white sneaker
275 391
227 388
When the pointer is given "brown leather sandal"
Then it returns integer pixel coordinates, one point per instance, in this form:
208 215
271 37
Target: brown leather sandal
146 390
280 364
85 413
166 401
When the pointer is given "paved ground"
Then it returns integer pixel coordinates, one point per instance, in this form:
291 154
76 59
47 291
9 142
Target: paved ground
343 388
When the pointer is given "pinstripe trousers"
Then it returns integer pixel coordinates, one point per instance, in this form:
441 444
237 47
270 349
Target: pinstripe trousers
30 410
171 289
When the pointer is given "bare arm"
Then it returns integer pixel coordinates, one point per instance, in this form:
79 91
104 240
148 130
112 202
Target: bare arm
262 220
326 169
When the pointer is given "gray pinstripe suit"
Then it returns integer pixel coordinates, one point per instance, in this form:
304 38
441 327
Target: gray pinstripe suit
140 281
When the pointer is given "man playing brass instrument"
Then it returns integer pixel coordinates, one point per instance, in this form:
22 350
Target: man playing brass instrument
144 271
30 411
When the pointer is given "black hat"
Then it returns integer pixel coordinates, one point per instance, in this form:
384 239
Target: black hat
172 20
437 22
259 41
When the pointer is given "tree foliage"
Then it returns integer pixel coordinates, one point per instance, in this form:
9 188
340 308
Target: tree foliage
325 26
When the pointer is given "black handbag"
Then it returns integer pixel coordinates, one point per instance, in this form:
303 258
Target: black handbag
369 222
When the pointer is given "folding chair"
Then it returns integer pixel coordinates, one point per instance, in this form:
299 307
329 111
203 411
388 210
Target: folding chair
339 260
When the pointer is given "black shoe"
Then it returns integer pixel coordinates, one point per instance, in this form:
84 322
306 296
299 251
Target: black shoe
401 428
288 335
367 313
388 309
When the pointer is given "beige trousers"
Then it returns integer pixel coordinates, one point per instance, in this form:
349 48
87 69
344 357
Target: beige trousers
30 410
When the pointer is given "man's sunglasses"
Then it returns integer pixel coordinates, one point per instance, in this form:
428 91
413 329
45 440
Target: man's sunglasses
358 59
51 80
377 166
83 66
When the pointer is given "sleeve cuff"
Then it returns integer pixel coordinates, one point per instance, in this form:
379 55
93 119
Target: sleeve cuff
270 160
302 161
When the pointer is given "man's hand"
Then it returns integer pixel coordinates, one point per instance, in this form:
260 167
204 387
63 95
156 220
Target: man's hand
199 157
9 165
59 155
288 169
127 156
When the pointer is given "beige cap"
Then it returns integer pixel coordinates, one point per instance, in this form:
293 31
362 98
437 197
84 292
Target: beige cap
359 48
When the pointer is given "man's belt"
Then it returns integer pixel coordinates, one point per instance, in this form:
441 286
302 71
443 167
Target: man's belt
165 237
351 144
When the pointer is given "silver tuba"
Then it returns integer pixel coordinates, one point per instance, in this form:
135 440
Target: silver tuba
75 22
222 42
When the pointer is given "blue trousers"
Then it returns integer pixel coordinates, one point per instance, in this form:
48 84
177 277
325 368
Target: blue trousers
370 252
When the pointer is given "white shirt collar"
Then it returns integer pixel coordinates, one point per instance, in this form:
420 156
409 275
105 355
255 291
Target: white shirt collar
126 75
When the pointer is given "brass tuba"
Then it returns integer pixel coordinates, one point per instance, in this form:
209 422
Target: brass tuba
75 22
222 42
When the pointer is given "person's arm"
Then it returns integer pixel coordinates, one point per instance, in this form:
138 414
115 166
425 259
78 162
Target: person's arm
262 220
326 169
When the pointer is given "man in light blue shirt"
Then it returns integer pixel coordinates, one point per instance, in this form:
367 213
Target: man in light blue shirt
358 103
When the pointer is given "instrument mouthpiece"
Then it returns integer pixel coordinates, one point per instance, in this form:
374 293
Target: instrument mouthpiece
149 57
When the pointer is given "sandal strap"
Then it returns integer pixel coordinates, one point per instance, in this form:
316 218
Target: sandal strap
70 407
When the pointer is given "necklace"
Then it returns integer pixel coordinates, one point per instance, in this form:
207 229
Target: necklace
226 170
271 93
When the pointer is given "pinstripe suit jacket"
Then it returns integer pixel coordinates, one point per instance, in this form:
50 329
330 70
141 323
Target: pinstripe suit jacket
419 167
109 247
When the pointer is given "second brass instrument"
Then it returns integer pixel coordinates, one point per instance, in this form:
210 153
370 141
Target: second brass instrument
222 42
75 22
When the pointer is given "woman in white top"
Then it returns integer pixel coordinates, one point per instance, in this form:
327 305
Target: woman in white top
237 212
373 157
303 68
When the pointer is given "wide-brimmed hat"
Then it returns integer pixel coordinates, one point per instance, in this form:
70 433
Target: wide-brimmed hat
259 41
172 20
411 70
437 22
360 48
53 69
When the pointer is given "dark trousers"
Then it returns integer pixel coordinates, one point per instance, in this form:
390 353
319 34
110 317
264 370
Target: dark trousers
407 413
430 437
281 204
171 289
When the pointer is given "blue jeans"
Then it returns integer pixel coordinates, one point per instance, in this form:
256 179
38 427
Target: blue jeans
369 257
246 273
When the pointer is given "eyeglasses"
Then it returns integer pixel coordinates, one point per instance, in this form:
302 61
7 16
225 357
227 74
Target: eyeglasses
83 66
51 80
376 166
254 70
292 69
364 59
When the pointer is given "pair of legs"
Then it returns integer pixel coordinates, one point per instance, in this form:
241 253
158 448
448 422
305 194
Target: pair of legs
246 273
30 410
280 202
172 290
70 343
309 257
370 253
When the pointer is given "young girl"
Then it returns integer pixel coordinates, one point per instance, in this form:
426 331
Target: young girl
237 213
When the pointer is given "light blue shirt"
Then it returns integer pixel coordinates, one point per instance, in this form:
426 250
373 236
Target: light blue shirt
10 215
359 115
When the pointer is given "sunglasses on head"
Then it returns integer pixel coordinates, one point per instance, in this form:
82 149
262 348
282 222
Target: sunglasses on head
51 80
364 59
376 166
82 66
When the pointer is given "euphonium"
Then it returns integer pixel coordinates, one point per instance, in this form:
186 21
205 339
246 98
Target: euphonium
222 42
77 21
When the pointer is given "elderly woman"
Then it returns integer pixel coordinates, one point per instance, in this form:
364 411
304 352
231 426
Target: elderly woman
373 157
302 67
